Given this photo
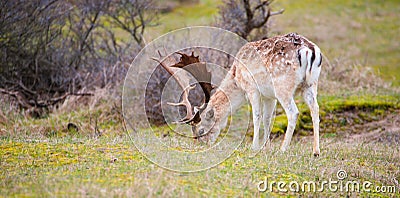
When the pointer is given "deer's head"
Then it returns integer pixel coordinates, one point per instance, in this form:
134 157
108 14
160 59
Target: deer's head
201 118
207 129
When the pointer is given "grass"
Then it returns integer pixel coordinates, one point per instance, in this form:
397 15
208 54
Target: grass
112 166
340 113
69 163
200 14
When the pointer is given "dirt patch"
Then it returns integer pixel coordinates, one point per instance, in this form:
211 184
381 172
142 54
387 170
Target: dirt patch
386 130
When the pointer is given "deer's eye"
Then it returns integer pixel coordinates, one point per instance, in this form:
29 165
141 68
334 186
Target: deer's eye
210 114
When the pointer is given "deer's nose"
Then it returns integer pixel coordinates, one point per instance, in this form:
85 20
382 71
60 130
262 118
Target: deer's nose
201 132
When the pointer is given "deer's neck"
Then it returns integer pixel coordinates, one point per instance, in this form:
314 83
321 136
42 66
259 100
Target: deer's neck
228 97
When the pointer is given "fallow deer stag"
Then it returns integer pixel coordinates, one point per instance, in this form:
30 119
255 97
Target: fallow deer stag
265 71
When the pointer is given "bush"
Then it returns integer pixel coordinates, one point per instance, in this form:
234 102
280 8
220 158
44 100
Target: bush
53 49
244 16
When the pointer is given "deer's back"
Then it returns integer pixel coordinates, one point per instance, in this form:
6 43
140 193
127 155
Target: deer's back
276 64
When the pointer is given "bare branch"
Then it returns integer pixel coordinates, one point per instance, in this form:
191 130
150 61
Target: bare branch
244 16
277 12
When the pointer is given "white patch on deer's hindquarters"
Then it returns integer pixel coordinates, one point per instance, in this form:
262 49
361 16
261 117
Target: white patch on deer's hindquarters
313 75
318 57
304 51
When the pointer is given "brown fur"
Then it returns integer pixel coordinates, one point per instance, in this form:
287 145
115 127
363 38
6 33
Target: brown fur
267 71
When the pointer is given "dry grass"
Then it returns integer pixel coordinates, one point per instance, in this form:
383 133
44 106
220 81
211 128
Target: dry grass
341 76
93 116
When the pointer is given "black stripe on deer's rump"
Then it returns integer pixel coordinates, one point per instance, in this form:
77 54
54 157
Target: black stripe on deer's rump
299 57
320 60
312 56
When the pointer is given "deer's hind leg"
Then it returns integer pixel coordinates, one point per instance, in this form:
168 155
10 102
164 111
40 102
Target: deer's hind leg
310 97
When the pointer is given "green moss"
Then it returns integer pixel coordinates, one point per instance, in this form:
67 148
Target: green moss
280 124
335 112
329 135
363 103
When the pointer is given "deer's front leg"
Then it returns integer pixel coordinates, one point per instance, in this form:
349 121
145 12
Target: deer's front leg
268 110
292 113
255 101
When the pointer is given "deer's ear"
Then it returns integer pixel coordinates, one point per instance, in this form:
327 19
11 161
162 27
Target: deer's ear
210 113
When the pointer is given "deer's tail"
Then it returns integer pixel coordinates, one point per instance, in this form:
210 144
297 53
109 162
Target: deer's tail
311 57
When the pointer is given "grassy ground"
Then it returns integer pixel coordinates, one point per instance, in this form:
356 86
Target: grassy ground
111 166
360 132
55 161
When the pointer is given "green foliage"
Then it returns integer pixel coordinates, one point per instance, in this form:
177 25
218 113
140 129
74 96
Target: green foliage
184 15
335 112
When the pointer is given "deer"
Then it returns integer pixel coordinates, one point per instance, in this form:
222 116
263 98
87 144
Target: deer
265 72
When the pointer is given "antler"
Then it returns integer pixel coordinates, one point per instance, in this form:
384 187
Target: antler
199 72
202 76
185 102
191 115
